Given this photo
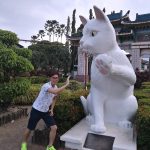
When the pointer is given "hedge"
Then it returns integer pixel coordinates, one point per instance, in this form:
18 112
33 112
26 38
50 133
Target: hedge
143 117
12 89
143 127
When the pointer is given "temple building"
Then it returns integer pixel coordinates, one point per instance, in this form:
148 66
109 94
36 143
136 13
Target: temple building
132 36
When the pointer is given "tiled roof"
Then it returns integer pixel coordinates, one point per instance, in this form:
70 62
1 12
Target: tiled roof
142 18
115 16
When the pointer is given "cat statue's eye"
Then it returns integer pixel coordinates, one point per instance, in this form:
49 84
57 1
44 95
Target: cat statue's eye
94 33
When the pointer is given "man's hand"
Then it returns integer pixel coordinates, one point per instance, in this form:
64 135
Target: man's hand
51 112
67 81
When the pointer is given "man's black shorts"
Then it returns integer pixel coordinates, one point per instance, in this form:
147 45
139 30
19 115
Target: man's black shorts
36 115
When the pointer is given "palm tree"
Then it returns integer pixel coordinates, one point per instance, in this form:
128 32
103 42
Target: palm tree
54 27
41 34
57 32
34 39
48 28
62 30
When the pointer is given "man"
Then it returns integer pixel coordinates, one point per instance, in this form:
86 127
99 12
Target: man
40 109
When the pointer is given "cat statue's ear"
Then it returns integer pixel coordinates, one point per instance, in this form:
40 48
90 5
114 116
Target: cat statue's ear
83 20
100 14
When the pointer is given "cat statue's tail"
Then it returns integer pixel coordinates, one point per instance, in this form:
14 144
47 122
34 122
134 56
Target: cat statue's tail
84 103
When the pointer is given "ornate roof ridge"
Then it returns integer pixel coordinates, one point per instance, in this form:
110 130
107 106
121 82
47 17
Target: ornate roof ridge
134 22
125 33
121 18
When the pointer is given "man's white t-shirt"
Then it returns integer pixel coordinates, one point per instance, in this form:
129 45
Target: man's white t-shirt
44 99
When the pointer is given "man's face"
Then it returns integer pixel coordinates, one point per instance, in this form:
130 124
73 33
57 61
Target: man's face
54 79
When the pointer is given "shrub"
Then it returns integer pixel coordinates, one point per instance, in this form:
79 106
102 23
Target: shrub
66 94
143 117
144 101
38 79
75 85
68 113
12 89
26 99
140 94
146 85
29 97
68 110
143 127
8 38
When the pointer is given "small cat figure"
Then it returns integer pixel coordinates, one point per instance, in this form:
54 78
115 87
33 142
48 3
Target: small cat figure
111 96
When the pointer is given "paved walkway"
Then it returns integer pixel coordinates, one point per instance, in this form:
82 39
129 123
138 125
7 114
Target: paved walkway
11 136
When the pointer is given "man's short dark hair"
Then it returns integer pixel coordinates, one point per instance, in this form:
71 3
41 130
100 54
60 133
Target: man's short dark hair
53 72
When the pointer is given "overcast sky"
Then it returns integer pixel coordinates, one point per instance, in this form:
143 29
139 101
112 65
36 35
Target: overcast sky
27 17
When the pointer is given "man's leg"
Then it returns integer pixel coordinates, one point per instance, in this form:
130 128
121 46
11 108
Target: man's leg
52 135
50 122
33 120
26 135
25 139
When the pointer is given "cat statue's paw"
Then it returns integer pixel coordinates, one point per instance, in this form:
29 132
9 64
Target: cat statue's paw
98 128
104 63
125 124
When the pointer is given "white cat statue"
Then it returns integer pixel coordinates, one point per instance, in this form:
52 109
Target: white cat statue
111 96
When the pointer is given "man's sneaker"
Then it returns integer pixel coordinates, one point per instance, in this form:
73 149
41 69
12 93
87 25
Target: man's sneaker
24 146
50 148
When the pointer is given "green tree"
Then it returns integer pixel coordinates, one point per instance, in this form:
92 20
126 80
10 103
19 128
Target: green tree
73 22
13 60
73 48
24 52
11 63
41 34
58 32
68 26
48 55
23 63
8 38
55 25
62 30
8 60
49 28
68 32
34 39
91 14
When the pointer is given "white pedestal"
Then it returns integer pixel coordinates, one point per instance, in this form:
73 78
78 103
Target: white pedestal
76 136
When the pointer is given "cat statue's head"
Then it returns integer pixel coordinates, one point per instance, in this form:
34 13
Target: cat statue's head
98 34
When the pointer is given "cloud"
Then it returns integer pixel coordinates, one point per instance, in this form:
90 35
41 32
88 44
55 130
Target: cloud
27 17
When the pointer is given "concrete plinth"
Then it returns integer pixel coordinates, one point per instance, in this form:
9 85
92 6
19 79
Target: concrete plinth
76 136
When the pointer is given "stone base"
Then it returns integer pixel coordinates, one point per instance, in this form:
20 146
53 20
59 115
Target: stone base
123 137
